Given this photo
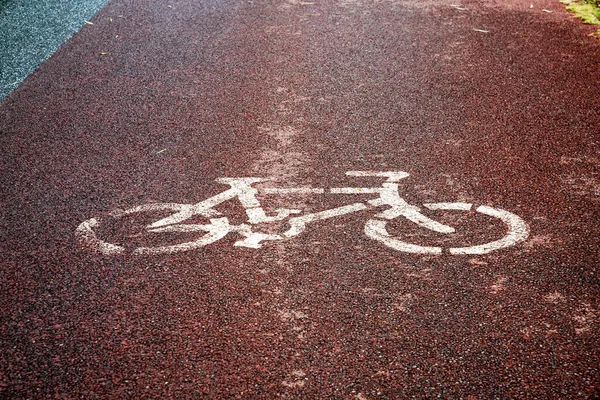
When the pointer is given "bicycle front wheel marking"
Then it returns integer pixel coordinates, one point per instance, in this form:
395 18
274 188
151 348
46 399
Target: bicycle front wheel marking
375 229
517 232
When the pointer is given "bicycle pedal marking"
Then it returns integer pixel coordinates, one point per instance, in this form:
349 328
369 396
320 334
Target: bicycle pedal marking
241 189
298 224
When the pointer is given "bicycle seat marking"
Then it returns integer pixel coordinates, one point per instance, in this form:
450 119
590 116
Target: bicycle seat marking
386 197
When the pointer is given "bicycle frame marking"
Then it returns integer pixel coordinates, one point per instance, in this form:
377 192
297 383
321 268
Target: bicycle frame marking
241 188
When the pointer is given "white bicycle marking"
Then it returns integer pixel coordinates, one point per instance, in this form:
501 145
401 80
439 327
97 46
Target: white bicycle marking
517 232
375 229
294 191
298 224
393 176
86 235
241 189
217 229
351 190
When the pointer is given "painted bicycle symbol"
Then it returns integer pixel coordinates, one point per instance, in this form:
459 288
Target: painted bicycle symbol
180 217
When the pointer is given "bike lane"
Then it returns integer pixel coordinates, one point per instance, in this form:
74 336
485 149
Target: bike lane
154 102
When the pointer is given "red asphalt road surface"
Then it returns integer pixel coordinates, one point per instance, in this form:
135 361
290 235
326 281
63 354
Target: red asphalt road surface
491 103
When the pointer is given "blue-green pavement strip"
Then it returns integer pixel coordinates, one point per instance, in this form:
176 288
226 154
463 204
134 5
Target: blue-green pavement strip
32 30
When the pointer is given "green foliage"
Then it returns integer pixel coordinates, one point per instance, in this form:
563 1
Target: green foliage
586 10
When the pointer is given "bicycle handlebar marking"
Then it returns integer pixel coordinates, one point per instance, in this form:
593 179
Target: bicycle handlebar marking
241 188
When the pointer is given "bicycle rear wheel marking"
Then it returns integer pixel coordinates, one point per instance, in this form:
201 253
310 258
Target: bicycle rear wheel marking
217 229
87 236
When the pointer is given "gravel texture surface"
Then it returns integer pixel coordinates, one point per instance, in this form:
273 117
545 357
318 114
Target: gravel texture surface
485 103
31 31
